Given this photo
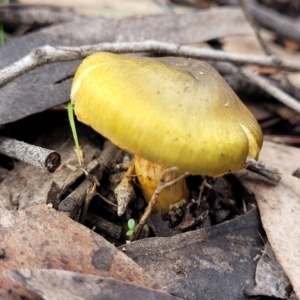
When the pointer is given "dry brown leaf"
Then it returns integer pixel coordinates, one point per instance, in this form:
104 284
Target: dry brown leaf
279 206
46 239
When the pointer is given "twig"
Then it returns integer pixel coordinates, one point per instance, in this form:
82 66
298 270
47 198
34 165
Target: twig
249 18
107 201
42 158
260 168
273 90
162 184
48 54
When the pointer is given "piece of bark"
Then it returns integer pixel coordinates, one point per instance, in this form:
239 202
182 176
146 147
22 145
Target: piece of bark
279 206
206 263
46 239
50 84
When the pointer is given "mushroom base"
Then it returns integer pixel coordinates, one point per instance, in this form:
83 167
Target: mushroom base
149 174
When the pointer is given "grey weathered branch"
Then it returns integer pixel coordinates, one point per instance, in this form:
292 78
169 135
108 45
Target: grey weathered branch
42 158
49 54
260 168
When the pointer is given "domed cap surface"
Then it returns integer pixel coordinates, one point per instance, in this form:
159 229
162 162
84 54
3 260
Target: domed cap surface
171 111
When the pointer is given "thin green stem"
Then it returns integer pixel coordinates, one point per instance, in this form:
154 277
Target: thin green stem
74 132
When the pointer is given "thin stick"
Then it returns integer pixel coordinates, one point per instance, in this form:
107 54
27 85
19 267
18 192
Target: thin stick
42 158
48 54
250 20
260 168
273 90
162 184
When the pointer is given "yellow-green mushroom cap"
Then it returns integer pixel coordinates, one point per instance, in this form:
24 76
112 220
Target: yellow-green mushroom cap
171 111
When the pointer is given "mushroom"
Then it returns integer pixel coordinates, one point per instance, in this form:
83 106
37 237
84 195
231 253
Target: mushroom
168 112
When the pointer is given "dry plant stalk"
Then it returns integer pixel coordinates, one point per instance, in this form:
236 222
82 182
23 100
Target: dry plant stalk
49 54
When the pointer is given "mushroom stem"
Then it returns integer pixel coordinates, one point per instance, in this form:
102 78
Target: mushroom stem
164 183
149 175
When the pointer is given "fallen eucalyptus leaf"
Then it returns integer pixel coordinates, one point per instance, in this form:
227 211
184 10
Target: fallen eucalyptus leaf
279 206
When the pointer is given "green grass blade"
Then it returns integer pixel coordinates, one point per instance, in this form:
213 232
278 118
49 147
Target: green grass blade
74 132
